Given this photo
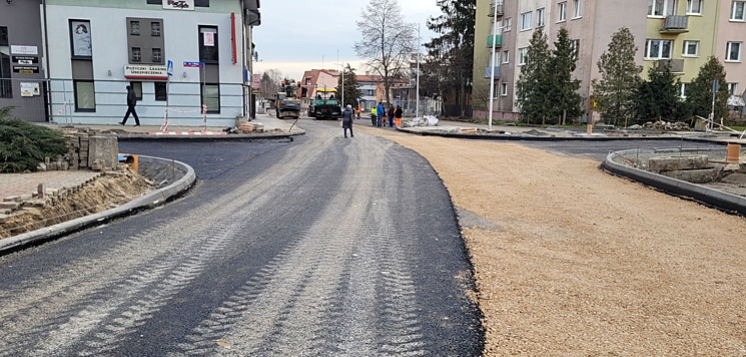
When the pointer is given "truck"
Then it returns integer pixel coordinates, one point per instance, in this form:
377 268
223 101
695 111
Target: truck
326 105
286 107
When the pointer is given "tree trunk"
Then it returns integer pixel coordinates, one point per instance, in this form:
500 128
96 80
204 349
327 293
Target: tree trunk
564 117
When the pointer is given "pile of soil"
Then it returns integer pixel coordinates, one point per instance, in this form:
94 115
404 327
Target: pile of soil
105 192
570 261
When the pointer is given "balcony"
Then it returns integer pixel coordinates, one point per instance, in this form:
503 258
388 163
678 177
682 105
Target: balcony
498 41
677 65
675 24
499 5
488 72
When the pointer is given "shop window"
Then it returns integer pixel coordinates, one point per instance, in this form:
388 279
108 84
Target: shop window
6 86
208 45
137 87
211 98
85 96
161 94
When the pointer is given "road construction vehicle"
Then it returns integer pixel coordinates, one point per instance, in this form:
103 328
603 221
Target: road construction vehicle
325 105
286 107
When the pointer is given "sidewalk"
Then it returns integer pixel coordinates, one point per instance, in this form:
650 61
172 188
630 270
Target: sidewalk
273 128
20 187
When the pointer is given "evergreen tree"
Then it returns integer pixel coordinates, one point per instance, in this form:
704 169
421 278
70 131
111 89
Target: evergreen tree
620 77
533 85
658 97
564 97
699 92
351 87
452 53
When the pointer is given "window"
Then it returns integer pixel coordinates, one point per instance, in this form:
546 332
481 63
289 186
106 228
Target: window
691 48
504 89
155 28
733 88
308 81
506 56
575 48
137 87
661 8
522 54
6 86
684 87
658 49
540 17
161 93
578 8
211 98
136 54
733 52
208 44
157 55
736 13
201 3
508 24
525 22
135 28
85 96
694 7
562 11
154 2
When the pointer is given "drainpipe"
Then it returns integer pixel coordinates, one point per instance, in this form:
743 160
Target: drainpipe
46 53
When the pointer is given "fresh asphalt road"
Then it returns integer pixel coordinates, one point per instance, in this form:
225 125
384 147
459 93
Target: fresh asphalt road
321 247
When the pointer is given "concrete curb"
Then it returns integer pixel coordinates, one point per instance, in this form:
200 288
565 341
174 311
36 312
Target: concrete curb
537 138
150 200
195 138
709 196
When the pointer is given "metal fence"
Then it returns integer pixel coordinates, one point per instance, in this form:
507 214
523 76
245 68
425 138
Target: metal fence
29 97
105 101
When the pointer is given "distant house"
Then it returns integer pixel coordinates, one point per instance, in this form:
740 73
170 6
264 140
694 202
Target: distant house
314 79
373 91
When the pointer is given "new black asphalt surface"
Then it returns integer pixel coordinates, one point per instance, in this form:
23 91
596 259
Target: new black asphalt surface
321 247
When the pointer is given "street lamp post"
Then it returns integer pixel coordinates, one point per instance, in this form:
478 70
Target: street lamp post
417 104
492 69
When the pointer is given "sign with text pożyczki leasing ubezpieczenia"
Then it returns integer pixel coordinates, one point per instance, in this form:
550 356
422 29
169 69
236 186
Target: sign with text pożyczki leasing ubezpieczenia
145 72
178 4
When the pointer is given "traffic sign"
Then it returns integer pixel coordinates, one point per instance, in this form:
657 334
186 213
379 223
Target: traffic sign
170 68
194 64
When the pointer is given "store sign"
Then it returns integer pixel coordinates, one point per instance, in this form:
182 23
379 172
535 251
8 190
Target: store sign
25 69
25 59
146 72
178 4
29 89
24 50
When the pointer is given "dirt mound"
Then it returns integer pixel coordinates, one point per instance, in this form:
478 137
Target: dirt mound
108 191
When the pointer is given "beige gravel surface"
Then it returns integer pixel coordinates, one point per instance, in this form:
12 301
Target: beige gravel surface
575 262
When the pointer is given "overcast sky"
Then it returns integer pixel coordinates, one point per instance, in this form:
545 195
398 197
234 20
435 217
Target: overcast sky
295 34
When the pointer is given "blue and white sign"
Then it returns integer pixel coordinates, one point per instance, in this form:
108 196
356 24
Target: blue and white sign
194 64
170 68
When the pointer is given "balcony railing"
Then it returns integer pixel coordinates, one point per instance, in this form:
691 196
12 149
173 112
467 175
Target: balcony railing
675 24
499 5
677 65
498 40
488 72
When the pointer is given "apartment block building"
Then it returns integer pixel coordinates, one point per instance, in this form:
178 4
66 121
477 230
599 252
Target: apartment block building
680 33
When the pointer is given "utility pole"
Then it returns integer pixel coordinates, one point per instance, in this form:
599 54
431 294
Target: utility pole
417 105
492 68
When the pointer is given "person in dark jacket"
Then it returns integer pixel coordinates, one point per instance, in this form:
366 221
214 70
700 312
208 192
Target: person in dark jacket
391 116
398 113
131 102
347 116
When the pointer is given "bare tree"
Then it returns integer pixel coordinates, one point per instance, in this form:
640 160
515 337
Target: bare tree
387 41
270 85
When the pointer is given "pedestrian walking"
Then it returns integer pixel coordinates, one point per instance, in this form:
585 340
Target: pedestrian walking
391 116
398 115
131 102
347 117
381 111
373 116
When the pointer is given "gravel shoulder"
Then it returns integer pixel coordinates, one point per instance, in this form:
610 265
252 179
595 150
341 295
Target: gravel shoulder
572 261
